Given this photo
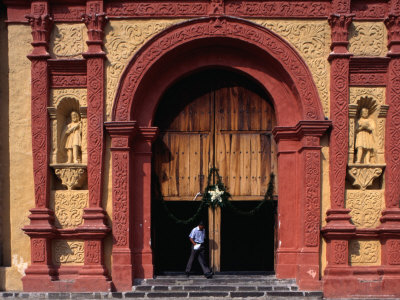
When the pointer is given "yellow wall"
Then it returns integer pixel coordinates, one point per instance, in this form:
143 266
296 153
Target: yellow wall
20 156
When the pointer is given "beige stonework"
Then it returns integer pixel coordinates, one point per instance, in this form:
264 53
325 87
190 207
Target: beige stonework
68 40
123 38
20 145
68 207
366 207
364 253
312 40
367 39
68 252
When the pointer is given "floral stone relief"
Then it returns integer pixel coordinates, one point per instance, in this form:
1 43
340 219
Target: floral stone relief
68 252
312 40
68 207
122 40
367 39
68 40
364 253
366 207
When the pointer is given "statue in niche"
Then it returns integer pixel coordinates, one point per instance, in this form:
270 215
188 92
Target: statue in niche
365 142
71 138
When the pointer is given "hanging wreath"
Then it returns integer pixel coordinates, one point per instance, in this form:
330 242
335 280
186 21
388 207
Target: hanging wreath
217 195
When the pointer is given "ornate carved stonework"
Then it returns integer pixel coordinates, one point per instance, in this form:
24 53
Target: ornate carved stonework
312 40
38 250
68 207
364 175
339 252
121 44
68 41
56 95
364 253
68 252
366 207
367 39
71 175
393 252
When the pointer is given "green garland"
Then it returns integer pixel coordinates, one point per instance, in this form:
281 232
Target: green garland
217 195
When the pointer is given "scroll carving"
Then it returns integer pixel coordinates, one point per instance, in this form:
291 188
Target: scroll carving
367 39
393 249
366 207
68 252
68 207
364 252
339 252
68 41
38 250
312 40
121 44
56 95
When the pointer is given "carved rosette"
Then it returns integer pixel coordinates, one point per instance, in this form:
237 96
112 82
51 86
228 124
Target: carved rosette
364 175
71 175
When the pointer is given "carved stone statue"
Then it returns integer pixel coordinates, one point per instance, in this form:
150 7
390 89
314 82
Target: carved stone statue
365 143
71 138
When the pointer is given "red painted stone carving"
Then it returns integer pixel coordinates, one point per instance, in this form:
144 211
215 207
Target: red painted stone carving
68 81
339 32
278 9
393 252
67 13
369 10
92 252
340 256
217 27
312 209
366 79
341 6
157 8
38 250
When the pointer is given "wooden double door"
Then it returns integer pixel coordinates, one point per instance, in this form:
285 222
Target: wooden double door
219 119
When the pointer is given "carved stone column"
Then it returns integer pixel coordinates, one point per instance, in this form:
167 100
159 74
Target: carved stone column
338 229
94 228
122 134
41 228
299 248
390 221
143 256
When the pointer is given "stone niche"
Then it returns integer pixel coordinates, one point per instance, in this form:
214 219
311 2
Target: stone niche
366 143
69 147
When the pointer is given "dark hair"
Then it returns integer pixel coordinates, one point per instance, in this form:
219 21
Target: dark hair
201 223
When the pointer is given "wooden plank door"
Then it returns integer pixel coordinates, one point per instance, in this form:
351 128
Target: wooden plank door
221 120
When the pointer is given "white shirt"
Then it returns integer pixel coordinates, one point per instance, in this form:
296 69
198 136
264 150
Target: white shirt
197 235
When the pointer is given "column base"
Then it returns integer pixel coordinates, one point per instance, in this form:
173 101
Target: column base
144 268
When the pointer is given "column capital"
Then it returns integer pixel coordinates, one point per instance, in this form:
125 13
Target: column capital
121 134
302 129
392 23
339 32
95 20
149 134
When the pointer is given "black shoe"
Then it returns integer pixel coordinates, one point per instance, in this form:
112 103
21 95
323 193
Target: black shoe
187 274
208 275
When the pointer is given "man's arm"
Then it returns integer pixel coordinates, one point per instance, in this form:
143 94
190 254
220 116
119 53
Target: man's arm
191 240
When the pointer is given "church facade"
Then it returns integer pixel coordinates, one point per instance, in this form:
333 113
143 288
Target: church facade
118 113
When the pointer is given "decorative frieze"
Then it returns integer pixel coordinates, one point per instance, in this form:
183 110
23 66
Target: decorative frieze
67 252
366 207
311 39
68 207
364 253
367 39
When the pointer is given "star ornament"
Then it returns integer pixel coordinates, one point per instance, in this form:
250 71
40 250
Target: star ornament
216 194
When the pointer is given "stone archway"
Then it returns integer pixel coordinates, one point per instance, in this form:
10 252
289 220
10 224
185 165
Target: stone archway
268 59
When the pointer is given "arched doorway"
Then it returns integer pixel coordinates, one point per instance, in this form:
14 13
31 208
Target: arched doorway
243 46
220 119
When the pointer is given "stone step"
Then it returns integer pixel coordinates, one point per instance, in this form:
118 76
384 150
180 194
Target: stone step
219 288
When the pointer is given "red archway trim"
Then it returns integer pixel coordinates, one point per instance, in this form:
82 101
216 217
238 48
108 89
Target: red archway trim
218 27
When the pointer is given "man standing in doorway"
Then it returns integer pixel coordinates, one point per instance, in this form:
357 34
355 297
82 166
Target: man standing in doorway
197 237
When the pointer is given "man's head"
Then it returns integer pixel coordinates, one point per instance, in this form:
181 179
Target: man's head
201 225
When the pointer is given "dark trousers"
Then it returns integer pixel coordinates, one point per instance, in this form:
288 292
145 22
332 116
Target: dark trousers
200 254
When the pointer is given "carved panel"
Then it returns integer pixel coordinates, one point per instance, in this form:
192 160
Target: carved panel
68 81
38 250
367 79
377 93
157 8
312 209
67 13
56 95
339 249
120 163
366 207
68 207
123 40
68 41
277 9
393 252
369 10
68 252
364 253
367 39
312 40
93 252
